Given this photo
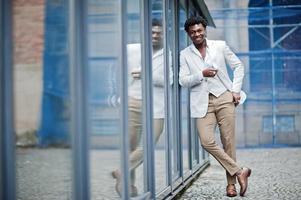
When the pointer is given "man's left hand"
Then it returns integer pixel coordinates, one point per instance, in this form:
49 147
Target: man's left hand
236 98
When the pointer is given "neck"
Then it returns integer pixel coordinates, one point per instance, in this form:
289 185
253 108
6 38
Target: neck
156 48
201 45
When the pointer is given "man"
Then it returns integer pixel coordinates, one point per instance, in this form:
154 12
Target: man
135 101
213 97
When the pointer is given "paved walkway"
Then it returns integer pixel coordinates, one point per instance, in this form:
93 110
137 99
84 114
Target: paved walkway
276 175
47 174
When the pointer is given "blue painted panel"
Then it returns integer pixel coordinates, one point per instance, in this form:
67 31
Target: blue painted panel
55 115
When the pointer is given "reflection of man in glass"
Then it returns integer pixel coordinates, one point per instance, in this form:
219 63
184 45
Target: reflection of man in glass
213 97
135 101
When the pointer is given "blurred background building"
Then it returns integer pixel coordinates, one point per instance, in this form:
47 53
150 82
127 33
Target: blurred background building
266 36
67 74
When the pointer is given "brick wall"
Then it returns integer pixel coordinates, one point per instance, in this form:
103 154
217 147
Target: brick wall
28 32
28 19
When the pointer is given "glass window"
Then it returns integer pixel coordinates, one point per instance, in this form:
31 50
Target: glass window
136 129
184 104
42 100
117 106
104 98
176 151
160 82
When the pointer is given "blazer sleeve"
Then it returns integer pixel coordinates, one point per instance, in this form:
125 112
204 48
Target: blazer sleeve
186 78
237 67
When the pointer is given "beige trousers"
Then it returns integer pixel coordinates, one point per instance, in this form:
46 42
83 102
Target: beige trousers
135 133
221 112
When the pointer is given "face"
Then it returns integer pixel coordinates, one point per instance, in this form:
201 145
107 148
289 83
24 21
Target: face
157 36
197 33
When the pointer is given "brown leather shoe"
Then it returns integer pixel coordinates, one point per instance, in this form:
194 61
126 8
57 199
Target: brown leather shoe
231 190
243 180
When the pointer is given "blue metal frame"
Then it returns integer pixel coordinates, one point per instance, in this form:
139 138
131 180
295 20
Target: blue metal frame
273 70
166 93
79 101
1 97
124 101
7 137
147 94
176 88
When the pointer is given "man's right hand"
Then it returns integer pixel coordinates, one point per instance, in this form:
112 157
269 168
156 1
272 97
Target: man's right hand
209 72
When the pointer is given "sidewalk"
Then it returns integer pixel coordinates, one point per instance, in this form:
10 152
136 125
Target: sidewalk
276 175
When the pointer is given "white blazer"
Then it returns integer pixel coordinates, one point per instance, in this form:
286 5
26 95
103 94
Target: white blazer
135 89
192 65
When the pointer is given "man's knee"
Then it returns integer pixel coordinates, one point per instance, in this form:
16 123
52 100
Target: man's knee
208 144
227 139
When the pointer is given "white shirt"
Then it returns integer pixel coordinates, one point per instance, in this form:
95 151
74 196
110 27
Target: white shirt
215 86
